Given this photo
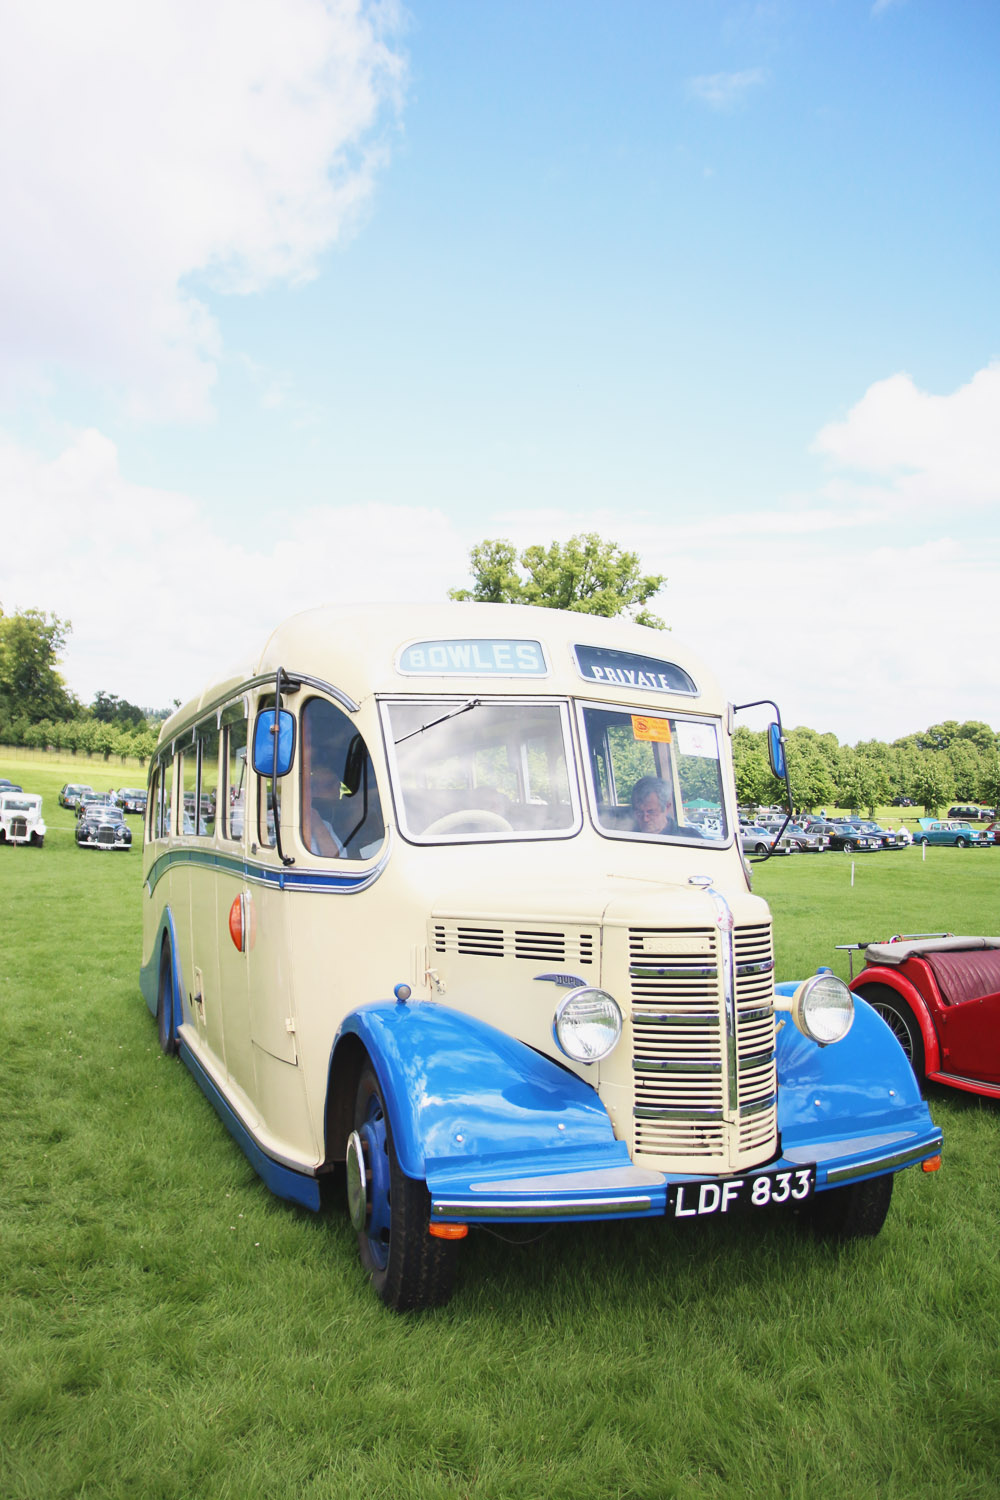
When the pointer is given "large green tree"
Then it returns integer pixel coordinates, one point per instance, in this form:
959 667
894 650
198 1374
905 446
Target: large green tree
585 574
30 686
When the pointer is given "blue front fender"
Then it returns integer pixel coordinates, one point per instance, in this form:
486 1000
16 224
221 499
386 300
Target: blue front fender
483 1119
854 1105
457 1089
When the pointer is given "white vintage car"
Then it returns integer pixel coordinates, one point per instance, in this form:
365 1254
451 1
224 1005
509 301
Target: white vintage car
21 818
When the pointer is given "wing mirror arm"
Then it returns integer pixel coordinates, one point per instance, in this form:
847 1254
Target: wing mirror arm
778 759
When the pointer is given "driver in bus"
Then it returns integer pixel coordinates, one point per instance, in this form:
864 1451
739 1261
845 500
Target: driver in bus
341 813
653 806
326 812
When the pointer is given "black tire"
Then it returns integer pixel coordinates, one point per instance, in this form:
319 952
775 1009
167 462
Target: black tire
164 1003
900 1020
760 848
408 1267
925 842
854 1212
961 843
848 846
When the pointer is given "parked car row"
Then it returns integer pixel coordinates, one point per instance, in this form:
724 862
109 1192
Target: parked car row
132 799
859 835
100 816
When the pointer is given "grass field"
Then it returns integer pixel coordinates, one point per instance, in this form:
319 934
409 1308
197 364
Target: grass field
168 1329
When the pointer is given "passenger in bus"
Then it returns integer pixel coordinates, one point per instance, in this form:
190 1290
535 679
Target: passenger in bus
653 806
342 815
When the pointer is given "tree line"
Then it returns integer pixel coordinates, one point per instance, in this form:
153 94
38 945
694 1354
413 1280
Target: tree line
37 709
949 762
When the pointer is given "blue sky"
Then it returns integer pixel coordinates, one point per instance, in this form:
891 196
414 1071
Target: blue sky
298 301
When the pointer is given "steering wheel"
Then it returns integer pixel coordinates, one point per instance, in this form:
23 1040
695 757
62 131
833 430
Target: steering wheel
471 817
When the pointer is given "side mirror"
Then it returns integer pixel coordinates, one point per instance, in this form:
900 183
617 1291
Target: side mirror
273 743
776 751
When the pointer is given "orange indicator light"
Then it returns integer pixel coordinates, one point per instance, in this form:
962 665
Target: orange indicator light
236 925
932 1164
449 1231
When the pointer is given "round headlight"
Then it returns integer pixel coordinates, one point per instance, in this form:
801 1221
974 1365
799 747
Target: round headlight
587 1024
823 1008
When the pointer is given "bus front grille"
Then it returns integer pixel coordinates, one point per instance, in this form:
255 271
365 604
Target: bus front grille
704 1077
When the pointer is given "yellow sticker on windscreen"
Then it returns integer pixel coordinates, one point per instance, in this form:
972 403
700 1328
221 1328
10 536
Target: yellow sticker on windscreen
651 729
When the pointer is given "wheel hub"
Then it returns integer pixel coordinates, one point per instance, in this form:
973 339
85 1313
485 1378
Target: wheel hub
357 1183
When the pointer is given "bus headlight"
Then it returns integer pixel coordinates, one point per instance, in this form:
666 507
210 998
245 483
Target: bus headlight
587 1024
823 1009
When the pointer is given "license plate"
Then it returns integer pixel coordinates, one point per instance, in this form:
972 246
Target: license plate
723 1195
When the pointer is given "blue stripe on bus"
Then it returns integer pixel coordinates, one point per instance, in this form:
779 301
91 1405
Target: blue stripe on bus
259 874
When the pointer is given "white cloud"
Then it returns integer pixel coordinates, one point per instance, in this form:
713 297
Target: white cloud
931 450
725 90
162 596
144 145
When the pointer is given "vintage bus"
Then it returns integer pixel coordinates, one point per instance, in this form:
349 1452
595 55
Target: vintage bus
452 898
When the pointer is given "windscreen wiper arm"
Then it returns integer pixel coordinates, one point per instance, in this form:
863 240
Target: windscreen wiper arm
463 708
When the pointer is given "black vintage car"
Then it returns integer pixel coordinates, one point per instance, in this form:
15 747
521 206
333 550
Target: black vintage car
845 836
101 825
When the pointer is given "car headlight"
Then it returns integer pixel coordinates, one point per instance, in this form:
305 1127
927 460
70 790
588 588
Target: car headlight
587 1024
823 1009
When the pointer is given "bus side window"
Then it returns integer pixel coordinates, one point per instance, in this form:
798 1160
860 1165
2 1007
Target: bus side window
208 778
235 759
153 806
340 805
167 800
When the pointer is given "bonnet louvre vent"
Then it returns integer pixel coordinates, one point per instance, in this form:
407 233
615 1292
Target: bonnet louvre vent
534 945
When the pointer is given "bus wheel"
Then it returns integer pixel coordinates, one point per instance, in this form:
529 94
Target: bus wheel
165 1003
390 1212
854 1212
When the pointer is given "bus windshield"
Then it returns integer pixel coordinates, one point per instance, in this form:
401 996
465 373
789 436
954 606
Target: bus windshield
654 776
479 769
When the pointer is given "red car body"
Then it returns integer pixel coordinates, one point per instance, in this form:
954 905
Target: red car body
940 996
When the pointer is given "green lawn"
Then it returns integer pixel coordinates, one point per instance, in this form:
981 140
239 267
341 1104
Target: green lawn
168 1329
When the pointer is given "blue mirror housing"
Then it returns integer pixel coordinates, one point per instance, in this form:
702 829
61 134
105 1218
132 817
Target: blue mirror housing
776 751
274 732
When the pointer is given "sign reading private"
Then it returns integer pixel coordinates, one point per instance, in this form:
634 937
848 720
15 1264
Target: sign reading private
626 669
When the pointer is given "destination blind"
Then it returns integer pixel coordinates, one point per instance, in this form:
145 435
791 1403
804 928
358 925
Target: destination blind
473 658
626 669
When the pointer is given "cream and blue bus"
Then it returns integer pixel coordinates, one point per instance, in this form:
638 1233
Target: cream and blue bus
450 900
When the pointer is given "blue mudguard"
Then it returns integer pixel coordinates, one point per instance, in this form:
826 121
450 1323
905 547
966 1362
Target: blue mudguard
149 972
495 1128
854 1107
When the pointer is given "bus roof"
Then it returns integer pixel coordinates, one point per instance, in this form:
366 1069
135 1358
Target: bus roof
474 648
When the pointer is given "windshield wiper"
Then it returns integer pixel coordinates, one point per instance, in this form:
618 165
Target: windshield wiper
463 708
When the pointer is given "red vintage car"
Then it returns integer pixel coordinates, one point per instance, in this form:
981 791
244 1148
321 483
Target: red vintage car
940 997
